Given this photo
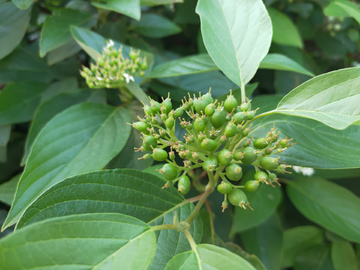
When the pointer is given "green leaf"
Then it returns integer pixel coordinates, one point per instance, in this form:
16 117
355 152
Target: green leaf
63 52
317 258
184 66
7 190
332 9
228 29
128 192
13 24
208 257
159 2
5 132
264 202
23 4
343 256
330 98
155 26
24 64
82 138
281 62
18 101
75 242
54 106
297 240
285 32
67 85
56 30
349 7
327 204
136 90
130 8
265 242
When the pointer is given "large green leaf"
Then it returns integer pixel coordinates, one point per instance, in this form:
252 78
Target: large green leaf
128 192
265 242
285 32
18 101
281 62
155 26
56 30
264 202
88 241
82 138
330 98
317 258
349 7
327 204
55 105
206 257
187 65
13 24
343 256
23 4
297 240
130 8
7 190
159 2
63 52
237 35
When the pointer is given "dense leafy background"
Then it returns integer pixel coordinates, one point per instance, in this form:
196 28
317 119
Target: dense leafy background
53 127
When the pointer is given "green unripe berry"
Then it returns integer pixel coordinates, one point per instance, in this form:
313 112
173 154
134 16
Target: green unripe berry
237 197
169 171
218 119
261 143
156 106
230 103
141 126
284 143
144 65
273 177
269 163
184 184
249 155
239 117
159 154
167 104
244 107
170 122
208 98
200 105
186 106
178 112
210 109
210 164
149 143
231 130
225 157
250 115
199 124
261 176
224 188
133 55
244 133
227 118
209 144
149 110
233 172
251 185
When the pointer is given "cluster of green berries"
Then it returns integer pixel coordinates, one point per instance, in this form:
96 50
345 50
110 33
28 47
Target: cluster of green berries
112 70
333 25
216 139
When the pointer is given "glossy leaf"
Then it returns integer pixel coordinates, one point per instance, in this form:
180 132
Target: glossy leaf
265 242
327 204
18 101
128 192
343 256
317 257
74 242
155 26
331 98
208 257
281 62
184 66
84 137
13 24
284 30
264 202
228 29
7 190
23 4
129 8
159 2
349 7
332 9
55 105
63 52
297 240
56 30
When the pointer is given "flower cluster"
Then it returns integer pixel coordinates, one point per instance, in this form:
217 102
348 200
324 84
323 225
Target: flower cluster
112 69
217 139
